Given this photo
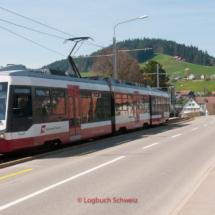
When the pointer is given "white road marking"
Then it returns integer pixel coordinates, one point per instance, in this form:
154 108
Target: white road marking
205 125
57 184
194 129
176 135
149 146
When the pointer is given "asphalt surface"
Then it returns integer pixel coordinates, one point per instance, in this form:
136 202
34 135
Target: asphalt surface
153 170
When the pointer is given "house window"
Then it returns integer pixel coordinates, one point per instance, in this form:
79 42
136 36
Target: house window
189 104
193 104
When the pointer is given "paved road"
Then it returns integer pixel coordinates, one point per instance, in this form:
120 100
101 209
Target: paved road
153 169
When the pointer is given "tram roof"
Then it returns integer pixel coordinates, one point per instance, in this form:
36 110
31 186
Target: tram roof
119 83
21 70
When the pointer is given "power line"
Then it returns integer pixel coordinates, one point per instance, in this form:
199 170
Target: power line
89 43
32 41
32 29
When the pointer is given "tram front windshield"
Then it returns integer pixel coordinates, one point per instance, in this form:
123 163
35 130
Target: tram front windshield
3 100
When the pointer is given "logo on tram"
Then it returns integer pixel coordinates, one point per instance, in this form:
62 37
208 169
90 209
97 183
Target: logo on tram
43 129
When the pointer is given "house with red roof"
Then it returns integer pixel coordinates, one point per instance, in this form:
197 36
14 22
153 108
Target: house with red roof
205 105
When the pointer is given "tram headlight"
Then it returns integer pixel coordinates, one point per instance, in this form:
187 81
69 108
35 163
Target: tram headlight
1 136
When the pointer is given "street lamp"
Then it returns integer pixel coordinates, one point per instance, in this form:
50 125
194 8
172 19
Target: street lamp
114 43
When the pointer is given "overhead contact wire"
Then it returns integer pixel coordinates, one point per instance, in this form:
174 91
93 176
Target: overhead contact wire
89 43
32 41
32 29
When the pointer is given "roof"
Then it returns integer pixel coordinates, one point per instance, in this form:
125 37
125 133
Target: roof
212 92
210 108
184 92
201 100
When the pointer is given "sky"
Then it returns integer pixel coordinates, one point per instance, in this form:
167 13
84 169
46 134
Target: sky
185 22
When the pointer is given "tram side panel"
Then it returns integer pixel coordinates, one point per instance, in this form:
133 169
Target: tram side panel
42 114
129 110
159 109
95 113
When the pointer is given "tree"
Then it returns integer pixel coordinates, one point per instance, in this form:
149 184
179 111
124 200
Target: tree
204 89
128 68
151 67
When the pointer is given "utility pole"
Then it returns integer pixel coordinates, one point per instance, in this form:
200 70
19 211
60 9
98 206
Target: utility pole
173 81
157 76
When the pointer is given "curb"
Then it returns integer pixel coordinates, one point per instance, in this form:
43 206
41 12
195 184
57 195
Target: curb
22 160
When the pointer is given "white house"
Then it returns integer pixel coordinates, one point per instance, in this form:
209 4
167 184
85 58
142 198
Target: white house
177 77
213 76
192 76
192 106
202 104
203 76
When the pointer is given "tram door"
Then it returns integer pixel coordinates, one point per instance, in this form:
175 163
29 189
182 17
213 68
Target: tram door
74 112
136 108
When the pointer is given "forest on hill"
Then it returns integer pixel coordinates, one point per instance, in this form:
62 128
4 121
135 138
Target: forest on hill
189 54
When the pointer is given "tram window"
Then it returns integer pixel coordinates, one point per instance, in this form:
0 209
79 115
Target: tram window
158 105
3 99
42 92
130 106
43 106
141 104
42 102
124 102
86 95
58 105
118 102
163 103
146 102
97 109
105 106
87 113
22 106
58 102
154 109
166 104
22 91
58 93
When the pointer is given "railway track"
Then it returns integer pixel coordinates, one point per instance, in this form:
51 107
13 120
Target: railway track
15 158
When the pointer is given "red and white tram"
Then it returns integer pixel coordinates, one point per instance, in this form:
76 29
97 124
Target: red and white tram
38 108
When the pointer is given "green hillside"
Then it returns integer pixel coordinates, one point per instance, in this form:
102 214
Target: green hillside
170 65
195 86
86 74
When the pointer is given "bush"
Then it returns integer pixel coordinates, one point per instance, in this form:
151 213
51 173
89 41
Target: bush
207 79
